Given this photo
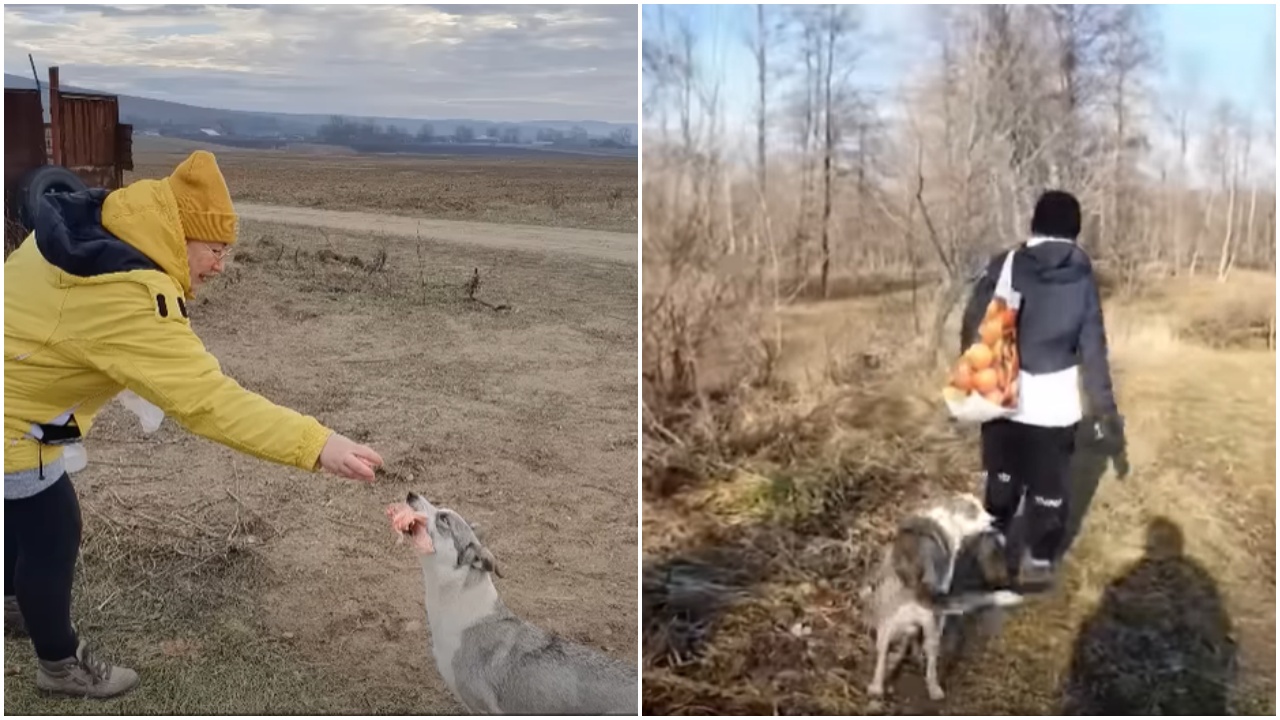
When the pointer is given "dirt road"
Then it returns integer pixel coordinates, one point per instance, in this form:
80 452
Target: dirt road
617 247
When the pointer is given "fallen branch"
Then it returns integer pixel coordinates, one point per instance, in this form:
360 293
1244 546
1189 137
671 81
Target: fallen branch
346 523
654 424
495 308
255 513
107 463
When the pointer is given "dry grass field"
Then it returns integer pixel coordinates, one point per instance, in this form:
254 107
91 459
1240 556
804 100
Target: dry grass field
238 587
558 190
764 509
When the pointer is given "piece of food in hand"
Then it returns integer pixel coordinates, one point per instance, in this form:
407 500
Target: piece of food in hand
409 523
962 378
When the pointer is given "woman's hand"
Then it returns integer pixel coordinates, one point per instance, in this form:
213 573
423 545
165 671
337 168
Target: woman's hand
343 456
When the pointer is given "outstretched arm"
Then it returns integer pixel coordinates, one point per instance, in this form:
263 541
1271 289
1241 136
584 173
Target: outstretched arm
1093 354
161 359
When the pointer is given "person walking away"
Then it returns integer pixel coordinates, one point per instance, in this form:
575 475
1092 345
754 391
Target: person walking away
95 303
1061 335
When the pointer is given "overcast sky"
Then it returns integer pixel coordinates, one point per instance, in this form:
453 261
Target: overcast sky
484 62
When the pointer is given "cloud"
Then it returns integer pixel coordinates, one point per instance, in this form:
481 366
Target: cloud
487 62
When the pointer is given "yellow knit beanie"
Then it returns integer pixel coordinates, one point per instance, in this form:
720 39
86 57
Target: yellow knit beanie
204 203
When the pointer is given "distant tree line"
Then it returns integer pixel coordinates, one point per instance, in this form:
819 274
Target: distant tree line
340 130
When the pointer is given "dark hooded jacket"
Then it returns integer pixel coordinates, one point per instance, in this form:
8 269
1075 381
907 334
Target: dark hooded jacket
1060 322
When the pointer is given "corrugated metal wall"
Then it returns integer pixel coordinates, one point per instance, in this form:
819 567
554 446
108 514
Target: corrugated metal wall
89 138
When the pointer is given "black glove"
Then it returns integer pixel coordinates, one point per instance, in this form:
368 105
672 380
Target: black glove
1108 432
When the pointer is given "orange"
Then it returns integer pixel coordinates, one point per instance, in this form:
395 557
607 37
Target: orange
991 331
980 357
962 378
985 381
1009 318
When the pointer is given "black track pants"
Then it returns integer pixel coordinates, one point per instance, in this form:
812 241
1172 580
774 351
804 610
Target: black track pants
1036 462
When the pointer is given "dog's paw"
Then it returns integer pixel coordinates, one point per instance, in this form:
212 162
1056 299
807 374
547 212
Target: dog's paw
875 690
936 693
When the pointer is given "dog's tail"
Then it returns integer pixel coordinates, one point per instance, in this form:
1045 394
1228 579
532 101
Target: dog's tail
968 602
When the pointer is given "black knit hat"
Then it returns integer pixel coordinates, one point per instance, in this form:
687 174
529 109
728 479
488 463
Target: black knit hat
1057 215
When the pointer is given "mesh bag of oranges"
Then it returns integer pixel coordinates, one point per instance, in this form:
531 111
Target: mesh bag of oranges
984 381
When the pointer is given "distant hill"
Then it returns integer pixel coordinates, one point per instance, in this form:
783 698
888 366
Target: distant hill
146 114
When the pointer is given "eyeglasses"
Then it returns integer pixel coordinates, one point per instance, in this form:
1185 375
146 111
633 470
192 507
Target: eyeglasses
219 251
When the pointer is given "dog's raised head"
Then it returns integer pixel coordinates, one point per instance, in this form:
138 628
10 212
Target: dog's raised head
446 542
962 515
927 543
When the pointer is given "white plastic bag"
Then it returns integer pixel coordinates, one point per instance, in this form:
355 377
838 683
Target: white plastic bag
149 415
984 381
74 457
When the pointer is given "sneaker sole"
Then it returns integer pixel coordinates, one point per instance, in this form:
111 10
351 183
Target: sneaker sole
82 695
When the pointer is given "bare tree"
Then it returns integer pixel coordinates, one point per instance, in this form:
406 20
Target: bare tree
1011 100
1127 55
759 46
766 32
823 101
1184 101
1077 32
805 106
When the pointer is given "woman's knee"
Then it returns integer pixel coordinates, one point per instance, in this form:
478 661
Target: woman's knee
52 527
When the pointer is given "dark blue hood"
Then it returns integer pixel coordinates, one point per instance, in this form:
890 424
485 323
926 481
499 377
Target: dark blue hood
1053 262
70 235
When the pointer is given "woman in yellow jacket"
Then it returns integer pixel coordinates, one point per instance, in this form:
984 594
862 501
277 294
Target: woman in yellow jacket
95 303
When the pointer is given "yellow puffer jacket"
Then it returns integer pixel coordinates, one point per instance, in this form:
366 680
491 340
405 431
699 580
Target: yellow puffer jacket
96 306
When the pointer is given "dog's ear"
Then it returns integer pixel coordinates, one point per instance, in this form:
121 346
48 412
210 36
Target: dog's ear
479 557
489 562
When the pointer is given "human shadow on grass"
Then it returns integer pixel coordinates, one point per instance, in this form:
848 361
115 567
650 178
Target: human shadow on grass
1159 642
685 597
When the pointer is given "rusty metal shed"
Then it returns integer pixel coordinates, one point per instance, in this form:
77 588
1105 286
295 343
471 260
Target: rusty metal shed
84 134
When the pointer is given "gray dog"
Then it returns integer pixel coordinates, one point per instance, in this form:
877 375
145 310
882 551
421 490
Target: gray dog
910 594
494 662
